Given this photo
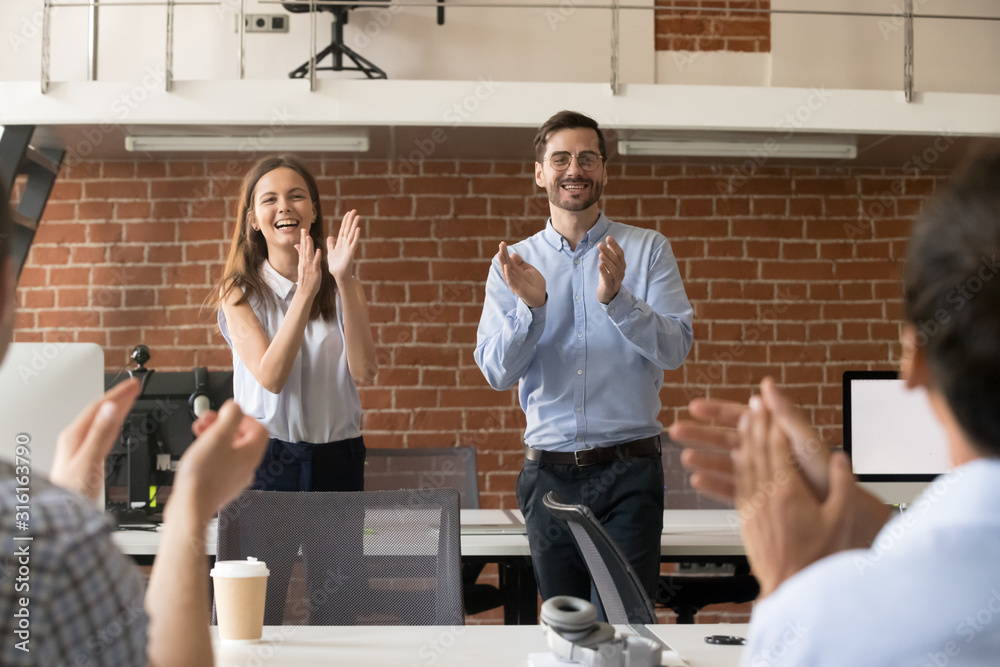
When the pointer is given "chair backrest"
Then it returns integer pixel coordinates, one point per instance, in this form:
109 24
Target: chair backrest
621 593
445 467
361 558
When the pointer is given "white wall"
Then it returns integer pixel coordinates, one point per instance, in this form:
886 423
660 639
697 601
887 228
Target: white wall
568 44
571 43
867 52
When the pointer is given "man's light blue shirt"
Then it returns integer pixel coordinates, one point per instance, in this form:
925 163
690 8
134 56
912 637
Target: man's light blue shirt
589 374
927 594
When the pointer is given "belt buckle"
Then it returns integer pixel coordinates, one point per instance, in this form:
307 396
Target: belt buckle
576 457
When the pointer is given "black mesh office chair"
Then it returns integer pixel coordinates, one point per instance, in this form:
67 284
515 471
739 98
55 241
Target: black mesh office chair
618 586
336 49
442 467
363 558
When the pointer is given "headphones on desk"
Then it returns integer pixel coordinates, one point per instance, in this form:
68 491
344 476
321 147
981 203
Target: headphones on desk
574 634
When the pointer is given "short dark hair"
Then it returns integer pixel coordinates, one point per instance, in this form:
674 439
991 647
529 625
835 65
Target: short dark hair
952 295
567 120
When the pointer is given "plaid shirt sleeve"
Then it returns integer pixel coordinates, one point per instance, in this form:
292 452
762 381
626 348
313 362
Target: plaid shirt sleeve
84 598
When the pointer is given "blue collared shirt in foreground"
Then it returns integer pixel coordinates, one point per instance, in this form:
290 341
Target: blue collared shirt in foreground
588 374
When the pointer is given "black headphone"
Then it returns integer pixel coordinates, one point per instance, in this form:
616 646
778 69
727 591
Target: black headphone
574 634
199 401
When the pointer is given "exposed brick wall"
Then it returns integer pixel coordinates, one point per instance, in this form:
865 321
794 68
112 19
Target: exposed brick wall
785 275
707 28
792 272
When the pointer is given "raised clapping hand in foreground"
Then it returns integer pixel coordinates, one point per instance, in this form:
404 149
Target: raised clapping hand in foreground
785 527
713 444
522 278
710 438
222 460
84 444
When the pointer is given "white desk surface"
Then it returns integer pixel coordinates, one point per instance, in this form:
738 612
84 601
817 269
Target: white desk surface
501 533
441 646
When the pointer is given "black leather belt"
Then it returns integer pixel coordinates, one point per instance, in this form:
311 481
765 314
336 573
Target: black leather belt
587 457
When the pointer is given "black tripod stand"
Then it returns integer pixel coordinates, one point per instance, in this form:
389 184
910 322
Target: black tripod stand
337 50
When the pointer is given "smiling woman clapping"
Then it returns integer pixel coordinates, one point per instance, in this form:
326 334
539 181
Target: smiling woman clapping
296 319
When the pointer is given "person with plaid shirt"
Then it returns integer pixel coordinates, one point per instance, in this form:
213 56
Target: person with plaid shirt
68 597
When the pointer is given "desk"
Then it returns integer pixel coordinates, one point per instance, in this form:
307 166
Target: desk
694 533
441 646
498 536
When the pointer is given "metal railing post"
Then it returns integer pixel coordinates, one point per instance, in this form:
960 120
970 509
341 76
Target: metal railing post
312 45
169 59
615 15
46 54
243 39
92 41
908 50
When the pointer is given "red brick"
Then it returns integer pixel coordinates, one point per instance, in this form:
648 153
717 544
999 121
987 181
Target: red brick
202 231
852 311
118 169
133 210
68 319
36 298
178 188
766 228
45 255
127 275
121 189
803 270
807 206
186 275
176 168
66 191
151 232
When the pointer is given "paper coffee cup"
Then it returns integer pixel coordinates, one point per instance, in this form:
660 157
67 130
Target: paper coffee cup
240 589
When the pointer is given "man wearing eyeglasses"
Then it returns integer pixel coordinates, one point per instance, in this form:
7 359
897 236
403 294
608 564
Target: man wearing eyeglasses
584 317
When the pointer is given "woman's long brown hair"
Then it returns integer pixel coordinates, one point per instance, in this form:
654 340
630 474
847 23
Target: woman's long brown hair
249 249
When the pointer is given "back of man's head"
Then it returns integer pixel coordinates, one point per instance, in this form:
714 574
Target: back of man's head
952 293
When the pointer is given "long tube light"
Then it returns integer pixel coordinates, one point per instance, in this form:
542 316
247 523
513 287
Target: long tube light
770 147
341 142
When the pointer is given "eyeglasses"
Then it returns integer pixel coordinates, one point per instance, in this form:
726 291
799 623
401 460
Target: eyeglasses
588 161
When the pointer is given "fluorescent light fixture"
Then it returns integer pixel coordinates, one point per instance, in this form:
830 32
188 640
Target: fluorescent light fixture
339 142
764 147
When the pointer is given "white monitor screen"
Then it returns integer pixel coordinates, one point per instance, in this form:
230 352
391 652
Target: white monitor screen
890 431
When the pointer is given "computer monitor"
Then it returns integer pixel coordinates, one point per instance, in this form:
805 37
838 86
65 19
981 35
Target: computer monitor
896 444
140 468
44 387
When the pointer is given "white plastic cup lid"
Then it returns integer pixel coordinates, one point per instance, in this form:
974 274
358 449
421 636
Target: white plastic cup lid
251 567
